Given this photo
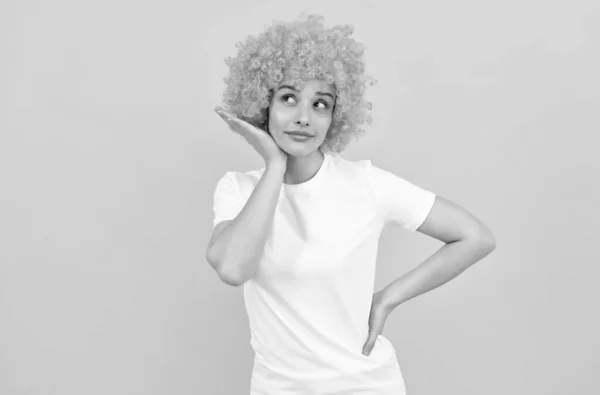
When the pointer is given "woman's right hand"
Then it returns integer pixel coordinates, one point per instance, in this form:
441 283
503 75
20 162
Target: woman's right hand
260 140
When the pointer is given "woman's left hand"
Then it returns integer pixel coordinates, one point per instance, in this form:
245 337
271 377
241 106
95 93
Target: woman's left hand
380 310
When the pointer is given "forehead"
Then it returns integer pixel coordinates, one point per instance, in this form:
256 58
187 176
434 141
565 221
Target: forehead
312 85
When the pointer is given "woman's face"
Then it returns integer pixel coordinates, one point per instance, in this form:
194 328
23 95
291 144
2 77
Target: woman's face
309 110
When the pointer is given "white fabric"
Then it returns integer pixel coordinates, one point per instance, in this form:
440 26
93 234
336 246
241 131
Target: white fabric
308 306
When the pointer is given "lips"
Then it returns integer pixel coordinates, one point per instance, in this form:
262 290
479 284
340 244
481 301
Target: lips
299 133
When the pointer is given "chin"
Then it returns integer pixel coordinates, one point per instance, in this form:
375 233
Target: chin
298 151
308 150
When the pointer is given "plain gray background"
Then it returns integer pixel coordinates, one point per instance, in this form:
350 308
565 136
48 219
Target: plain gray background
110 153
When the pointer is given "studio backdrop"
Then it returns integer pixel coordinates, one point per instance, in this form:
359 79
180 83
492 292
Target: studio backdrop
110 152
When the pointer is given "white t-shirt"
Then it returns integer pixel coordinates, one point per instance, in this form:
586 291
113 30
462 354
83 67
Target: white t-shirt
308 305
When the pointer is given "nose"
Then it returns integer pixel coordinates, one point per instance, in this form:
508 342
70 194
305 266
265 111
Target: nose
302 115
302 122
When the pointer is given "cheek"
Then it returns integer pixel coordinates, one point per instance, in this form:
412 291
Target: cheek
324 123
278 120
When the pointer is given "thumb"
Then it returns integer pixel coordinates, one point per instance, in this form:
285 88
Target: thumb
370 343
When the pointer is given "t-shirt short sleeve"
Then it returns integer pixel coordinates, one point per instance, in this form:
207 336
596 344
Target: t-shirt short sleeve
400 202
227 202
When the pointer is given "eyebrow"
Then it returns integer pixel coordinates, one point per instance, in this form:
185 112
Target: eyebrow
296 90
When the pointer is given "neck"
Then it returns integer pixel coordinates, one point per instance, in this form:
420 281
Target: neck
302 168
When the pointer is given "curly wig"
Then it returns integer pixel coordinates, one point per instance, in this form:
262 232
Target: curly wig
301 50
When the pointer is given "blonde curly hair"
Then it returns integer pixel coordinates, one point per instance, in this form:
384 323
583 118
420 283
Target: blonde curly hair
301 50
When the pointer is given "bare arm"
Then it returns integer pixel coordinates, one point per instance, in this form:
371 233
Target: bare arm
235 251
467 240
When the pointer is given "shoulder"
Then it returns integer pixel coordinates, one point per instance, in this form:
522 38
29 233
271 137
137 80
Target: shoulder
351 175
349 167
244 181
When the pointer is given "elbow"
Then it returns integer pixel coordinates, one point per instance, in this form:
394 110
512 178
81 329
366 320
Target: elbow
224 275
482 238
229 269
231 279
485 239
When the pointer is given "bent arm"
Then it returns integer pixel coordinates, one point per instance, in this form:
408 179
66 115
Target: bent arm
467 240
235 251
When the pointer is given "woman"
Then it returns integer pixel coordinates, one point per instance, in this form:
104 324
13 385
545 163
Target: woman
301 234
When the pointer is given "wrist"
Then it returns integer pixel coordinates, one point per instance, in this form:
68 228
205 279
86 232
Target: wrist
276 167
388 300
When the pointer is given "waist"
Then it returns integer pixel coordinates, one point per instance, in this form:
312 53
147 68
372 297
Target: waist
325 361
379 379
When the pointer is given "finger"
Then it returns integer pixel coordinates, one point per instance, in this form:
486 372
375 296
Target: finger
232 122
368 347
238 124
223 116
235 126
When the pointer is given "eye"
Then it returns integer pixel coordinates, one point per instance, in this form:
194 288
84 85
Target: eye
286 96
324 103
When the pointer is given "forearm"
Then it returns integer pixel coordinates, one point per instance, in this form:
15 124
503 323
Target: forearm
444 265
240 246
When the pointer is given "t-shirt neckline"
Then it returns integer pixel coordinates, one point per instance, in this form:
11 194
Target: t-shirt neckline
308 184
